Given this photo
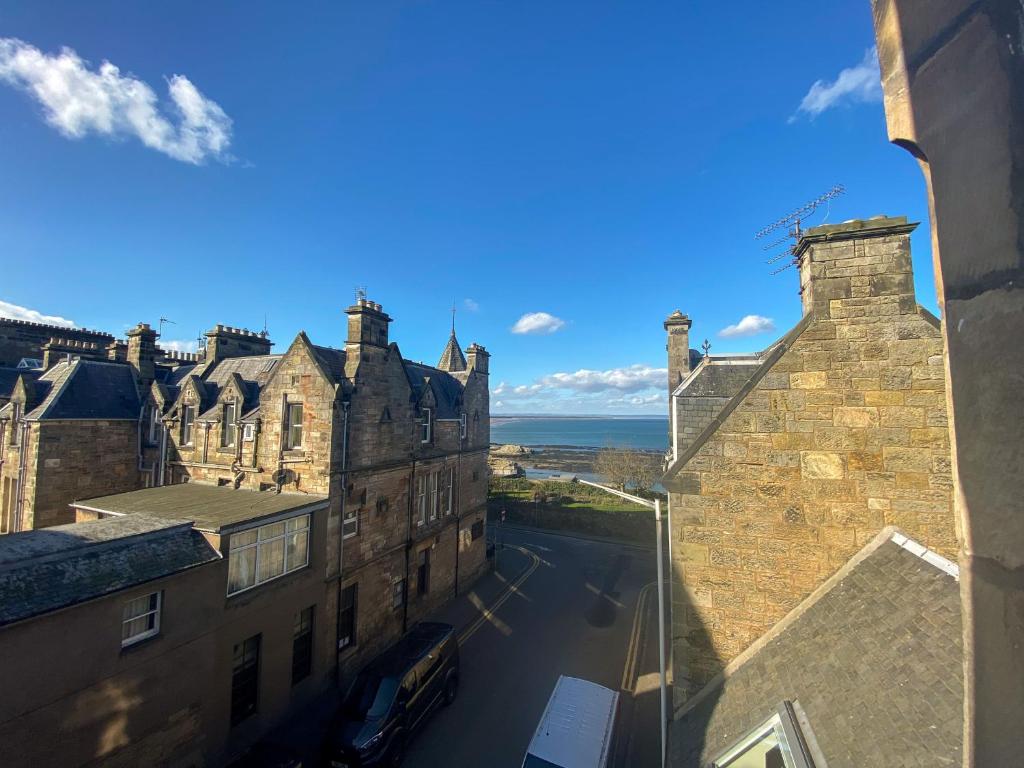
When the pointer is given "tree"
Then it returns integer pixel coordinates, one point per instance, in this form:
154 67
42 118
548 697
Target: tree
627 469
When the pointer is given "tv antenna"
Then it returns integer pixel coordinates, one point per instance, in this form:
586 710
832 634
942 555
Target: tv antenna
360 293
160 327
793 221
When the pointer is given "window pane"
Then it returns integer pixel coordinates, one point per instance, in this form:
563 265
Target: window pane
241 569
271 559
297 523
139 606
243 538
271 531
298 549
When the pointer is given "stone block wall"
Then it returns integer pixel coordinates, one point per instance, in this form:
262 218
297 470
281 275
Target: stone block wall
842 433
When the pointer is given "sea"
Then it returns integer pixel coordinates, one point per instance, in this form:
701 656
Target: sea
642 433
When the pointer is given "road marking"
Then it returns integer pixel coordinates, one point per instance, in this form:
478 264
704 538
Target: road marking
633 649
599 593
487 614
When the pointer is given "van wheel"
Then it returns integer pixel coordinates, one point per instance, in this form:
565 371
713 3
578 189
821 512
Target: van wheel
397 752
451 689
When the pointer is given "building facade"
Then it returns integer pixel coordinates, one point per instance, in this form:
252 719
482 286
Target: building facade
396 450
785 463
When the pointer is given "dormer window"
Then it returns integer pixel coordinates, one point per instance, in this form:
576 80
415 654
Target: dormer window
292 426
188 417
426 427
228 428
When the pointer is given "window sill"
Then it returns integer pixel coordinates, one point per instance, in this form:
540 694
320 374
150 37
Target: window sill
142 641
347 536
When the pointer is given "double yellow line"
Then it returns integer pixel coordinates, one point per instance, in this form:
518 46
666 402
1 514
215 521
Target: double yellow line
488 613
635 639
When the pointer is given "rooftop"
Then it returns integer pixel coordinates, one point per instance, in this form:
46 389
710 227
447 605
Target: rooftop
874 657
210 508
52 568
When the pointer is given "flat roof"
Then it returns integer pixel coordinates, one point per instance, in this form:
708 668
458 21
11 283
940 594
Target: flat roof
211 508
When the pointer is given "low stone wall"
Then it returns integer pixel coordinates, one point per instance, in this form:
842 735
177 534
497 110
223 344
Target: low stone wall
629 526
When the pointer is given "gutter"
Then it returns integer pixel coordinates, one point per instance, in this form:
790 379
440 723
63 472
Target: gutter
341 537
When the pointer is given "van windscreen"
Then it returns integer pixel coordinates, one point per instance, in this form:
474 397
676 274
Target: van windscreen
370 696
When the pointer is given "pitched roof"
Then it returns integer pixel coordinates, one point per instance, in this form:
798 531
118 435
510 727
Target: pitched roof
9 377
87 389
446 389
209 507
768 358
452 358
874 658
52 568
331 360
253 370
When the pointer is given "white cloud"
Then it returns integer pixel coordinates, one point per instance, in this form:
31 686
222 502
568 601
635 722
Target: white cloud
862 83
633 378
471 305
501 389
77 100
179 345
751 325
24 313
537 322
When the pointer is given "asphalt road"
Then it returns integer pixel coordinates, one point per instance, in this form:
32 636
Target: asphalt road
574 614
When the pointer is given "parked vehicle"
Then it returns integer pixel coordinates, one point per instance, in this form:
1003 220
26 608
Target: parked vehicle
392 696
577 727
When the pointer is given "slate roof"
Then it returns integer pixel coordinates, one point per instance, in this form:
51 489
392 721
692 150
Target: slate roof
446 389
332 360
210 508
86 389
52 568
718 376
9 377
874 658
452 358
254 371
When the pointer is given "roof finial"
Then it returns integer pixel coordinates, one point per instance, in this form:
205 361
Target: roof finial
453 317
706 346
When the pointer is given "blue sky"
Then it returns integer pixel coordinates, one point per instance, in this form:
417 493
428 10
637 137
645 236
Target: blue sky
575 170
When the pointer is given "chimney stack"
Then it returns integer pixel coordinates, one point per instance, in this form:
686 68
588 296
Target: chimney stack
142 352
677 326
224 341
847 268
478 359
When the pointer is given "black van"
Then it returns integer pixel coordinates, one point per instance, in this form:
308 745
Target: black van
392 696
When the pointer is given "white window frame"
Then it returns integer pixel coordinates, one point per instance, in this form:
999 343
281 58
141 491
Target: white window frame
435 494
191 424
154 612
260 544
421 497
248 433
787 732
288 424
462 426
426 427
448 498
225 424
348 517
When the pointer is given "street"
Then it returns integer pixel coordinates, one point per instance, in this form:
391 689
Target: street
567 606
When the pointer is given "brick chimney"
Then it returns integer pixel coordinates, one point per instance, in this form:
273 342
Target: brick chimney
367 324
677 326
857 266
57 349
224 341
141 353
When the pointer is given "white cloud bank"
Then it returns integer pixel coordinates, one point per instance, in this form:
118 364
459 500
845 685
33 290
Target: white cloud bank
179 345
77 101
537 322
633 378
16 312
751 325
858 84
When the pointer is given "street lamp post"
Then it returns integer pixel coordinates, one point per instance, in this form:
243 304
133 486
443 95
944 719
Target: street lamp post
656 506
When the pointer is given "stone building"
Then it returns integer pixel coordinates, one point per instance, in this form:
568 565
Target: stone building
397 449
785 463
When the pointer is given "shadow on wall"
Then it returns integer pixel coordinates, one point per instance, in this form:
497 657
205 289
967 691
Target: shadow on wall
695 663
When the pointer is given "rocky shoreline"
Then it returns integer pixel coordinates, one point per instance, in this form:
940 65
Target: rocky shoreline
562 459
